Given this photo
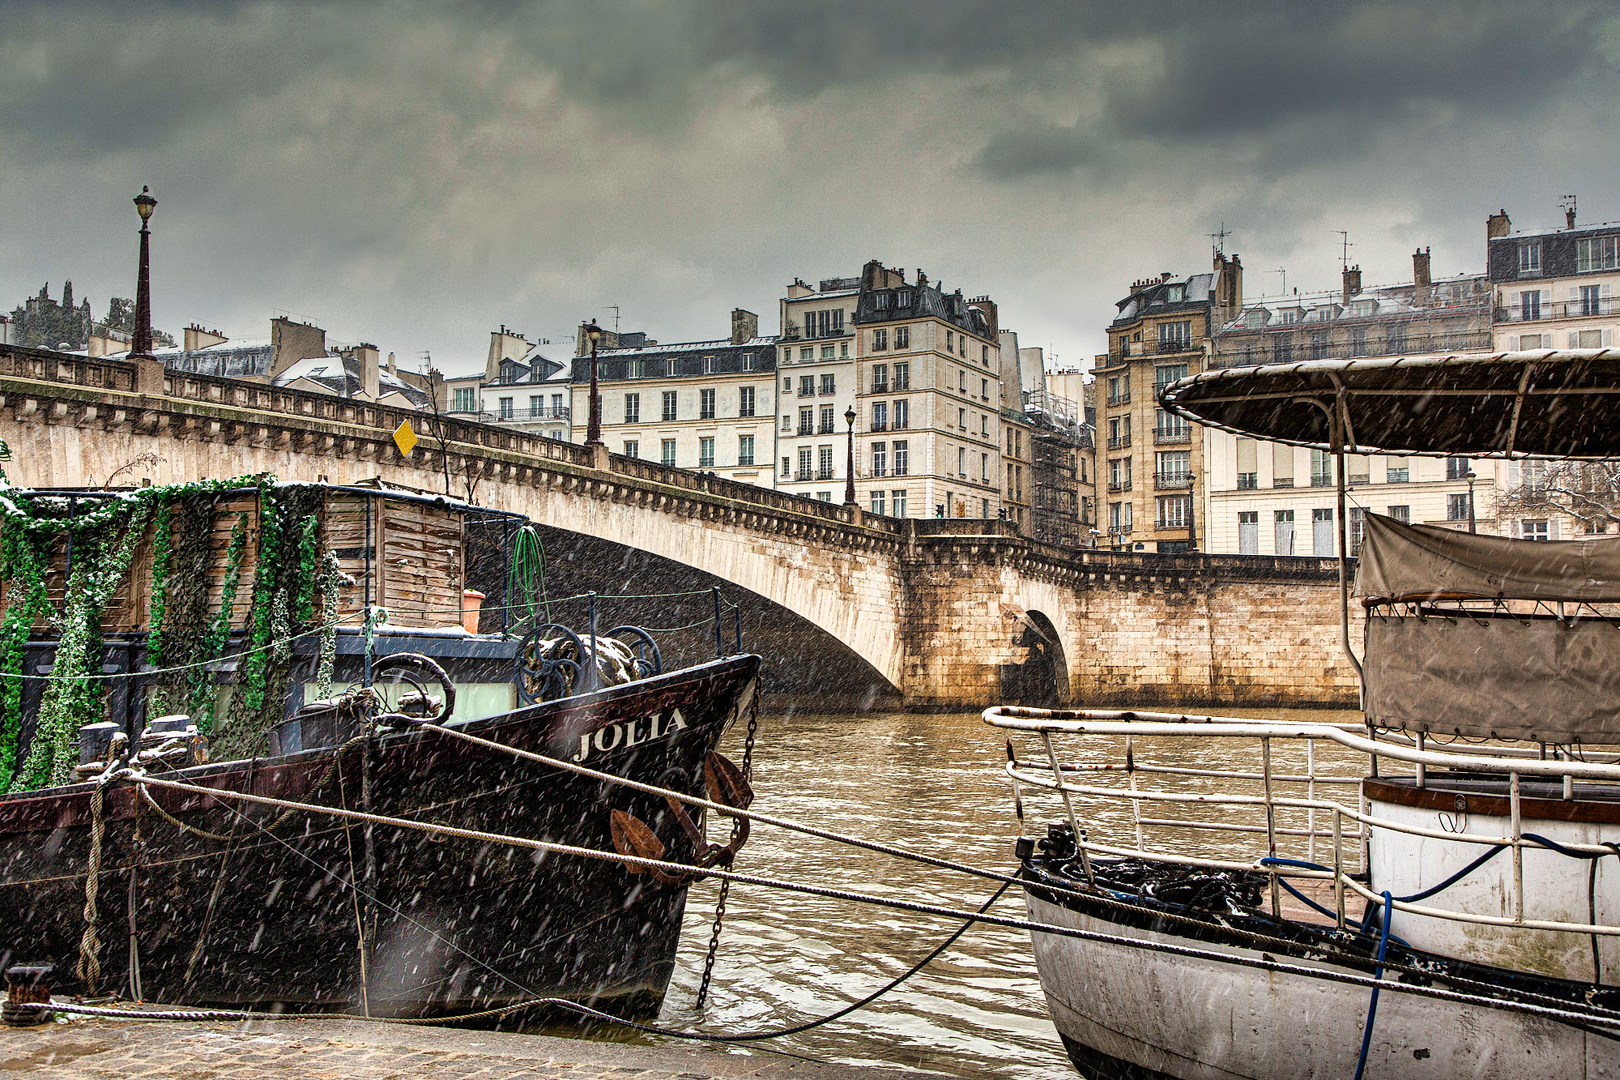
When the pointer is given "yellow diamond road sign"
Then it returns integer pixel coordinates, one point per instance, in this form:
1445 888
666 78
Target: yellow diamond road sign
405 438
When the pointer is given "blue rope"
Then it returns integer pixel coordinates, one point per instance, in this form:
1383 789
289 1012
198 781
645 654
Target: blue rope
1378 973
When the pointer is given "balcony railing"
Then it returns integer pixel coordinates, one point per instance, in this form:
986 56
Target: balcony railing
1116 486
1561 309
544 412
826 429
824 473
1170 481
1122 399
880 425
1118 442
880 388
1171 436
804 474
806 429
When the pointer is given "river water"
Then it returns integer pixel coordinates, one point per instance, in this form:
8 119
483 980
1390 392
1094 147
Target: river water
927 782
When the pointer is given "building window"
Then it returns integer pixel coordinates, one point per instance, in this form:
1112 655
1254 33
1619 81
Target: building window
787 468
1457 507
705 450
708 365
1322 533
902 414
1457 468
880 378
670 412
558 435
705 404
635 369
827 352
1395 339
950 341
1174 511
879 504
1530 257
807 386
902 376
1358 341
898 497
807 420
806 470
824 496
1248 532
537 406
824 464
984 425
1319 345
465 399
827 420
1119 474
1175 336
669 451
1402 514
880 340
1591 301
1282 351
1170 428
748 361
806 354
1172 469
1165 374
745 450
961 462
829 384
506 408
902 340
1530 305
880 458
1321 468
1283 528
984 389
1119 519
901 463
745 401
961 381
1397 471
1534 530
632 448
961 419
1358 523
1598 253
880 416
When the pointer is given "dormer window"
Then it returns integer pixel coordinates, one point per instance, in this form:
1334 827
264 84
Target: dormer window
1175 294
1530 257
903 298
880 301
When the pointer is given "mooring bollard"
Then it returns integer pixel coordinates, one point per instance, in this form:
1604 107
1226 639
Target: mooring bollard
25 984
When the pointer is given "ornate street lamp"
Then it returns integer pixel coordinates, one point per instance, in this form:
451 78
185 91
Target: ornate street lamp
1471 476
849 468
1192 512
141 346
593 428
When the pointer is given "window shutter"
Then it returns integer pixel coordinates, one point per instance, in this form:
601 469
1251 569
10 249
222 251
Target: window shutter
1574 292
1513 343
1606 291
1546 302
1608 338
1574 339
1552 529
1513 474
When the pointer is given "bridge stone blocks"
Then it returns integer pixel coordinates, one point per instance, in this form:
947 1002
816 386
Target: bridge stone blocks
948 613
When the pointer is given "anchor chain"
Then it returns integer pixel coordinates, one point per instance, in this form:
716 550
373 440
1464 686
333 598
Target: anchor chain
736 825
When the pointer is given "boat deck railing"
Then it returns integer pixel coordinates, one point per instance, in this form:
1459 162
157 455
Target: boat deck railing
1148 785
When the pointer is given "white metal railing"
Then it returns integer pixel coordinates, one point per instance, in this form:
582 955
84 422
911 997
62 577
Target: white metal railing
1324 824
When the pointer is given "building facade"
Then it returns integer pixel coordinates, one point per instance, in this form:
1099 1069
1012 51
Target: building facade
1151 461
707 405
817 370
1554 289
1263 498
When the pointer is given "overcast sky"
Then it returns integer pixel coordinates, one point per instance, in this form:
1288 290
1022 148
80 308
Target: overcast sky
416 174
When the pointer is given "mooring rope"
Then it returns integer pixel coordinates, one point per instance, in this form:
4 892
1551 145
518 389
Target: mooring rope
1592 1016
89 966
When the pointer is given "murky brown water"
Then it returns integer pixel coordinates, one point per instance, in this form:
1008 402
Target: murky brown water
926 782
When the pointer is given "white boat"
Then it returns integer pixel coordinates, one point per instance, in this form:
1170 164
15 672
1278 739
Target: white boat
1434 893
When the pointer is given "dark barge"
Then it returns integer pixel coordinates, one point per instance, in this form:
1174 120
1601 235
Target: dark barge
198 899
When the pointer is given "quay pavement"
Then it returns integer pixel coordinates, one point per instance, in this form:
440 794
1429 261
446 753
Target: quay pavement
100 1049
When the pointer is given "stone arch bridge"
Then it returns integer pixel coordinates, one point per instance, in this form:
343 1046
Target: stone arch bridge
929 614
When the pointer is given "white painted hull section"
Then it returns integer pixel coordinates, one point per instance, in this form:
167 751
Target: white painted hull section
1203 1020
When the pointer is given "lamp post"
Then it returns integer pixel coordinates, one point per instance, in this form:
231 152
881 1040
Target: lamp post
849 468
593 427
1192 513
141 345
1471 476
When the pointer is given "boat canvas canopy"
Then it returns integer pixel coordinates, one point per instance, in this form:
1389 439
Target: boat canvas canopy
1504 677
1555 404
1489 675
1426 562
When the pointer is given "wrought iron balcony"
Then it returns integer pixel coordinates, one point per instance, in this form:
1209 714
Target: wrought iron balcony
1172 436
1116 486
1118 442
1171 481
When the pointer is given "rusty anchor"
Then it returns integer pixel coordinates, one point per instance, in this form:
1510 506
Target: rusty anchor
726 786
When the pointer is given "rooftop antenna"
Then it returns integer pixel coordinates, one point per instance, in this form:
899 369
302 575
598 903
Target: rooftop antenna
1284 274
1344 251
1567 205
1219 238
615 308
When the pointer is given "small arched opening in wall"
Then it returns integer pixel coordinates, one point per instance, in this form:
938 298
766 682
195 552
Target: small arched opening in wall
1040 678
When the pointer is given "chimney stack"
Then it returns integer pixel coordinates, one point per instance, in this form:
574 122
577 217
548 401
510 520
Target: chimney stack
1352 282
1569 211
1421 277
1497 225
744 326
